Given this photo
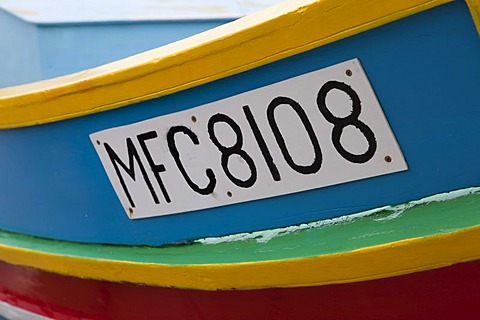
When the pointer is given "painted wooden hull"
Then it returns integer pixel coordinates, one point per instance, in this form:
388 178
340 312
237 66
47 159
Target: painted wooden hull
440 294
419 259
395 56
43 40
69 250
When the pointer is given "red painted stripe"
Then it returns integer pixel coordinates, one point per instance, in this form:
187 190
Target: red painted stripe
447 293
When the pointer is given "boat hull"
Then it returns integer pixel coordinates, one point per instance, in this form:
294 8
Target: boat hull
69 248
407 63
444 293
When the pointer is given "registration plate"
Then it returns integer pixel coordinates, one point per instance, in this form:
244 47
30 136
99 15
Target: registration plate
315 130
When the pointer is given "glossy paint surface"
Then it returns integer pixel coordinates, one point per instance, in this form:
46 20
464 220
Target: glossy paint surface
345 234
228 50
407 62
427 234
447 293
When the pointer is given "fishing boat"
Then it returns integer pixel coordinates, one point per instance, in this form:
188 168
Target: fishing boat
316 159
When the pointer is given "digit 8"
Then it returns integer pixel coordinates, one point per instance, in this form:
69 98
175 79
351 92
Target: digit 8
236 149
351 120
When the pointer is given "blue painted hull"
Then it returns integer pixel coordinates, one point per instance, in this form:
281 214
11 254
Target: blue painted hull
425 71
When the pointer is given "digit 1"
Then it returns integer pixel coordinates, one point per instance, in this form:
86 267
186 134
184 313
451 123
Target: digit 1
261 144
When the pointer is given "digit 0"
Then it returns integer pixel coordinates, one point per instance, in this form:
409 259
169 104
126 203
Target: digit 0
317 160
351 120
227 152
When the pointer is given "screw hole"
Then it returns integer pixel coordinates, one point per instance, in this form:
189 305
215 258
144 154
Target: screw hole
348 72
194 119
388 159
229 194
130 212
98 142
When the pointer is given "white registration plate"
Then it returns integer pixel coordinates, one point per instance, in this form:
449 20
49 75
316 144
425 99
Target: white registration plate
315 130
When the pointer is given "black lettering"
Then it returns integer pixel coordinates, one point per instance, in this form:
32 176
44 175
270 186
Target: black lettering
262 144
176 156
317 161
156 168
235 149
350 120
130 169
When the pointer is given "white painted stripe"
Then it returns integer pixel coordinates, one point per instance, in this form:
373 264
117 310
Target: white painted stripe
14 313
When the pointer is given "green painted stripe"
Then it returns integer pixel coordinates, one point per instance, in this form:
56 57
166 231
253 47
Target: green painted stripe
418 220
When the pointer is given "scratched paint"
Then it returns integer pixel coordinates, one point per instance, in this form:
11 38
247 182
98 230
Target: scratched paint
378 214
429 216
453 239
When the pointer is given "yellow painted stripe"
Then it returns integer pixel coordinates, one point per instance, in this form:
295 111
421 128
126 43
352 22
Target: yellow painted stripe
376 262
278 32
474 6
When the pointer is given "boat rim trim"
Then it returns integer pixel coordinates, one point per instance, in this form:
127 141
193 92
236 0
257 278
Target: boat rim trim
368 263
250 42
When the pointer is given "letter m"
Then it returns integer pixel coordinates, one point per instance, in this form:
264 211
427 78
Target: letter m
130 169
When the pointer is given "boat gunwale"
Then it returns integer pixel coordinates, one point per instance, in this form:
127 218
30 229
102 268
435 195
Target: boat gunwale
398 253
250 42
369 263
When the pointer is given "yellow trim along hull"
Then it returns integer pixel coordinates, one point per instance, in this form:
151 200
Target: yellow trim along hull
270 35
376 262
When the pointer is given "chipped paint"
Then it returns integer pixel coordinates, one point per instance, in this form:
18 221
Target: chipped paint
393 213
425 237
